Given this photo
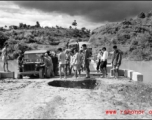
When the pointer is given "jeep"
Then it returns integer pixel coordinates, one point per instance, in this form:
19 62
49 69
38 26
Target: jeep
32 65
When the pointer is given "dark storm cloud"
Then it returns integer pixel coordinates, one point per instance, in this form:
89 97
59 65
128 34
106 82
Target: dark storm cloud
96 11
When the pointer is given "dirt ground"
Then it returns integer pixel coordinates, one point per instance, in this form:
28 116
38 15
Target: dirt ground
72 98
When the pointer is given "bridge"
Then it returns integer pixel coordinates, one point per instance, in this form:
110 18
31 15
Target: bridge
126 73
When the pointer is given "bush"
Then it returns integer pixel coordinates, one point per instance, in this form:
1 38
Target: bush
3 39
142 15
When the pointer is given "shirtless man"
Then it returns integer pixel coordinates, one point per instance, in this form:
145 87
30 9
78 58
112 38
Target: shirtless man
62 62
77 62
5 58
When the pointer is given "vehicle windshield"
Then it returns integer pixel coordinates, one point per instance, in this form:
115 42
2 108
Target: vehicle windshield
34 57
73 46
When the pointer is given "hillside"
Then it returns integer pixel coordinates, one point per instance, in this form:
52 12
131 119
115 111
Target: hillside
21 39
133 36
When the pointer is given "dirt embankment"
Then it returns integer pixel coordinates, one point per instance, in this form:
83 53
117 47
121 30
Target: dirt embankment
60 99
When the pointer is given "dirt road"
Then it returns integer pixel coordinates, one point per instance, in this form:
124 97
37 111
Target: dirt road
60 99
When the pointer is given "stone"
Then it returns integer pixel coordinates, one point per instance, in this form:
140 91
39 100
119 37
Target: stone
128 74
109 67
136 76
7 75
121 72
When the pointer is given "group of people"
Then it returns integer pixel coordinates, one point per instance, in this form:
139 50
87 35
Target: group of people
102 58
64 62
75 61
68 61
102 61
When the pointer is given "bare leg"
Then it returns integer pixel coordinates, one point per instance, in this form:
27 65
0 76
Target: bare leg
114 72
117 72
7 67
60 68
76 73
4 66
65 71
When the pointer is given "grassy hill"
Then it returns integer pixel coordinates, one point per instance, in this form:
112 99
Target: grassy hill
21 39
133 36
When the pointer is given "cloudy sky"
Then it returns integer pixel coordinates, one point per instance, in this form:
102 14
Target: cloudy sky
89 14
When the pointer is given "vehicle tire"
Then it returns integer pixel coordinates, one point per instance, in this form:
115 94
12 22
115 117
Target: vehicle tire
41 73
19 76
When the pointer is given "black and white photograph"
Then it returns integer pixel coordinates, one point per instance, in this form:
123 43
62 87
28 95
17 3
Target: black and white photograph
75 59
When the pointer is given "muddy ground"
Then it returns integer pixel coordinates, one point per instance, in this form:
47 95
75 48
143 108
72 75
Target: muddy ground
73 99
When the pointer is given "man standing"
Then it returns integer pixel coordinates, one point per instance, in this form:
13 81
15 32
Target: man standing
68 62
62 62
77 62
81 59
20 61
55 63
104 62
116 61
5 58
86 60
49 57
98 60
47 65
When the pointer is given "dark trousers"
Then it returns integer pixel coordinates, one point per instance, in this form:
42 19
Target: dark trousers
98 65
87 69
55 69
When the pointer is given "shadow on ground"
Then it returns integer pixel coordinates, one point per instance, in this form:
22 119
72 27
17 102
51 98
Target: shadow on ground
80 84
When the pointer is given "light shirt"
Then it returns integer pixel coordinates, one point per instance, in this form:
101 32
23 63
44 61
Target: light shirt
105 56
99 57
62 58
77 58
47 62
71 60
3 52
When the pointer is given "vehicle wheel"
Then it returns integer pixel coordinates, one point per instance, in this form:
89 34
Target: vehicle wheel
19 76
41 73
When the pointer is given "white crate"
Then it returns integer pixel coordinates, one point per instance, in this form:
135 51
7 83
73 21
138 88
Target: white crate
136 76
128 74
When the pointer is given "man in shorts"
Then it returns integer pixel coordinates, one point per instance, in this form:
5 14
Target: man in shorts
5 58
116 61
68 62
62 62
77 63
